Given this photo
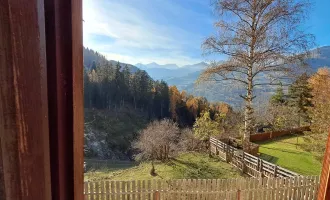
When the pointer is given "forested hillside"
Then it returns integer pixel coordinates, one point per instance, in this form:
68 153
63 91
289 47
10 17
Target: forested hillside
120 102
91 58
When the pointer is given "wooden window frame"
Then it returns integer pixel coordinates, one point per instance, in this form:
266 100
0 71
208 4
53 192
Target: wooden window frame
41 102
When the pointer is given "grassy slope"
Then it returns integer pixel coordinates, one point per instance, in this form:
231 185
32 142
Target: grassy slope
188 165
285 153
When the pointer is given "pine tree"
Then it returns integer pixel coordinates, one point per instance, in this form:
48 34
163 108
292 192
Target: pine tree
300 97
278 98
93 66
87 90
126 79
119 82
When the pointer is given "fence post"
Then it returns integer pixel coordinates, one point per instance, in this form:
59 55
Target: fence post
210 148
238 194
228 154
260 167
156 195
275 171
243 163
226 151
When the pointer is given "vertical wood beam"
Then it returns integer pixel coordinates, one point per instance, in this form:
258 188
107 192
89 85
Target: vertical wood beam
23 101
65 86
324 189
2 181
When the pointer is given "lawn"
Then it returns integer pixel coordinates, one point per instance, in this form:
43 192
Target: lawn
187 165
286 153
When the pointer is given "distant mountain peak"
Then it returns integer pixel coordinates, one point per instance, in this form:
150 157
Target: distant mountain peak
156 65
202 63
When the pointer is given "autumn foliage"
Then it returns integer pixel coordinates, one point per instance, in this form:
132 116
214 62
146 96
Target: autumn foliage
320 112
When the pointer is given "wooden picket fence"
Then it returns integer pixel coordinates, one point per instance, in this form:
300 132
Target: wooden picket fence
249 164
296 188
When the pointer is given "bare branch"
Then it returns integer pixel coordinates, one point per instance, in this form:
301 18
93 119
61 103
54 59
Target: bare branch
262 38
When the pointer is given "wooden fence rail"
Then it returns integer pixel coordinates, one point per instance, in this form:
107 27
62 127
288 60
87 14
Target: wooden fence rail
295 188
249 164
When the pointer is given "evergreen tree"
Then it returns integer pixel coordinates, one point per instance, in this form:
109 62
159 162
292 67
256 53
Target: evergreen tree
126 80
93 66
300 97
119 82
87 90
111 87
278 98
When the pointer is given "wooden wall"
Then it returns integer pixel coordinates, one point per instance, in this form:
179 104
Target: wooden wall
275 134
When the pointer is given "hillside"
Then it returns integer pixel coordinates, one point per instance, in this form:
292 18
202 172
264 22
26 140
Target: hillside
119 103
109 133
91 56
185 166
320 58
226 92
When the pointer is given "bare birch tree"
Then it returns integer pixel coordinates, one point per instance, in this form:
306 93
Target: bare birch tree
264 43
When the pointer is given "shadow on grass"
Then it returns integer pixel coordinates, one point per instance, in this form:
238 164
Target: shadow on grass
279 140
284 150
269 158
186 163
202 169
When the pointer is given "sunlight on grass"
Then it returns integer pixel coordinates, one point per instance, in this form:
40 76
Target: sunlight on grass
187 165
286 152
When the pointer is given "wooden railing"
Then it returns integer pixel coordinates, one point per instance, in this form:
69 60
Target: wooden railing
249 164
229 189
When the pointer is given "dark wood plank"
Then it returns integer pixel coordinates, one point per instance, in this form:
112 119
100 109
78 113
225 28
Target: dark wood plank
23 101
2 181
65 86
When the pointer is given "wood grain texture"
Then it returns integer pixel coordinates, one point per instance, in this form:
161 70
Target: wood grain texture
65 86
324 191
2 181
23 101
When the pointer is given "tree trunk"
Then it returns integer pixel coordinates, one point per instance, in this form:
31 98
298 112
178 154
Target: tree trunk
249 122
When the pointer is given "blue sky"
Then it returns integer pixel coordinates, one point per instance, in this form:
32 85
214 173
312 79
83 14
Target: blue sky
165 31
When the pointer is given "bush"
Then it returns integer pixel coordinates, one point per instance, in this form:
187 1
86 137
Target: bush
189 142
159 141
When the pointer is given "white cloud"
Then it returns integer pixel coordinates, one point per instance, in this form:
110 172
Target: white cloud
179 60
135 38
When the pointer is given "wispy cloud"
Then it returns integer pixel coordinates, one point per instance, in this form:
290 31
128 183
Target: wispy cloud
133 31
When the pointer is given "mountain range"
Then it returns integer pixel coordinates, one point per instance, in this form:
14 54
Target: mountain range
169 71
184 77
185 80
